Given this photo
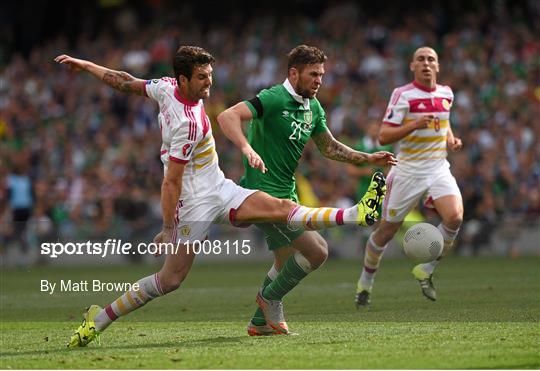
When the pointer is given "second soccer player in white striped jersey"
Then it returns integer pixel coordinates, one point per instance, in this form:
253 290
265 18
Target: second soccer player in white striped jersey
418 119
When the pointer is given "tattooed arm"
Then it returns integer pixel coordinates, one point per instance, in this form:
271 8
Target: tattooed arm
335 150
119 80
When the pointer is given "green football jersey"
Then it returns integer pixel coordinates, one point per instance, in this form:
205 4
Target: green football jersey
282 124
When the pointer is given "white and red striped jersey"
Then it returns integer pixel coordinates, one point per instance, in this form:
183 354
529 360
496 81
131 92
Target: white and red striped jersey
423 151
187 138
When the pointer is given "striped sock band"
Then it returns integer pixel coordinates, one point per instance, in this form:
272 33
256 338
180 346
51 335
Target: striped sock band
149 288
372 258
312 218
449 236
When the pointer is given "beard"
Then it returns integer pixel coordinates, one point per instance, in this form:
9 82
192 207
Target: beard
306 93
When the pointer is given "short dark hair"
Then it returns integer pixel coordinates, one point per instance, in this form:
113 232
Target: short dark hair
303 55
189 57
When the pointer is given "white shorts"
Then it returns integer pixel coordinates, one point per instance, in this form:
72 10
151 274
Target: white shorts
403 192
194 216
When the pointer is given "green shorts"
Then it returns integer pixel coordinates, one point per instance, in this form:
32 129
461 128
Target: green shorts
278 235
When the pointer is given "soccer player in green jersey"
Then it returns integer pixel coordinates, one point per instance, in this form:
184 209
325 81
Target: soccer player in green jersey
282 119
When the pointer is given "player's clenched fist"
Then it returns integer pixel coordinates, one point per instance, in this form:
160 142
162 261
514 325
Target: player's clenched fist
454 144
424 121
163 237
382 158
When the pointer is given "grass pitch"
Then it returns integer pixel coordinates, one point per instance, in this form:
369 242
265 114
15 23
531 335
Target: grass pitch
486 317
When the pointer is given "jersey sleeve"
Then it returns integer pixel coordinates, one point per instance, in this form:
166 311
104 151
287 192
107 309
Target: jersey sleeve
320 124
182 147
397 109
451 97
261 103
154 88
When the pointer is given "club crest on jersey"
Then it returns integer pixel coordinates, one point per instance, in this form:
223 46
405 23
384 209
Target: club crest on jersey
308 117
185 230
446 104
187 149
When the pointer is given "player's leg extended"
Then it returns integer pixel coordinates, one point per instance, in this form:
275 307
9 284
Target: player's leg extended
450 208
261 207
258 326
311 252
96 319
373 252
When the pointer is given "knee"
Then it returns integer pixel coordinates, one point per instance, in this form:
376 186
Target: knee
319 254
454 220
285 206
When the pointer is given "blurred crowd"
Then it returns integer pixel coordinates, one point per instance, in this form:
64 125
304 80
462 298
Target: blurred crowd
79 159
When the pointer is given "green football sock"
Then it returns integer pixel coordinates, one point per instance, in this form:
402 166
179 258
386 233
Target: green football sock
258 317
293 271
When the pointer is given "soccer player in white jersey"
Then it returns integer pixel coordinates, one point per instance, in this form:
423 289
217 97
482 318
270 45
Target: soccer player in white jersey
195 192
417 119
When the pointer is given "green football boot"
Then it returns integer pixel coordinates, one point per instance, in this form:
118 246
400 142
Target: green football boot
86 332
372 200
426 282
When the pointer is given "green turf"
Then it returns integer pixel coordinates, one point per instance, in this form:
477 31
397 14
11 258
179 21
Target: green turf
486 317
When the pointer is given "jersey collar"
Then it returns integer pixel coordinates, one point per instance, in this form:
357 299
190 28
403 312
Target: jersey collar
184 100
424 88
298 98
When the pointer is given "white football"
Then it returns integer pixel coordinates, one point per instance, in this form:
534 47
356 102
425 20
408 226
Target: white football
423 243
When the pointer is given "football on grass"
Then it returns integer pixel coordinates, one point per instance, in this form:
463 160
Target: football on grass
423 243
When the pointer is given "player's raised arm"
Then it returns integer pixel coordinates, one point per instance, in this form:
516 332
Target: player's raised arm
119 80
230 122
333 149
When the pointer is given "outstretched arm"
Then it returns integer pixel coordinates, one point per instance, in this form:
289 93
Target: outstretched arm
119 80
335 150
230 122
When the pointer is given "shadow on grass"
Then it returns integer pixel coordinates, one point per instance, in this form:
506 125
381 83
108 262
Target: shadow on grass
215 341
